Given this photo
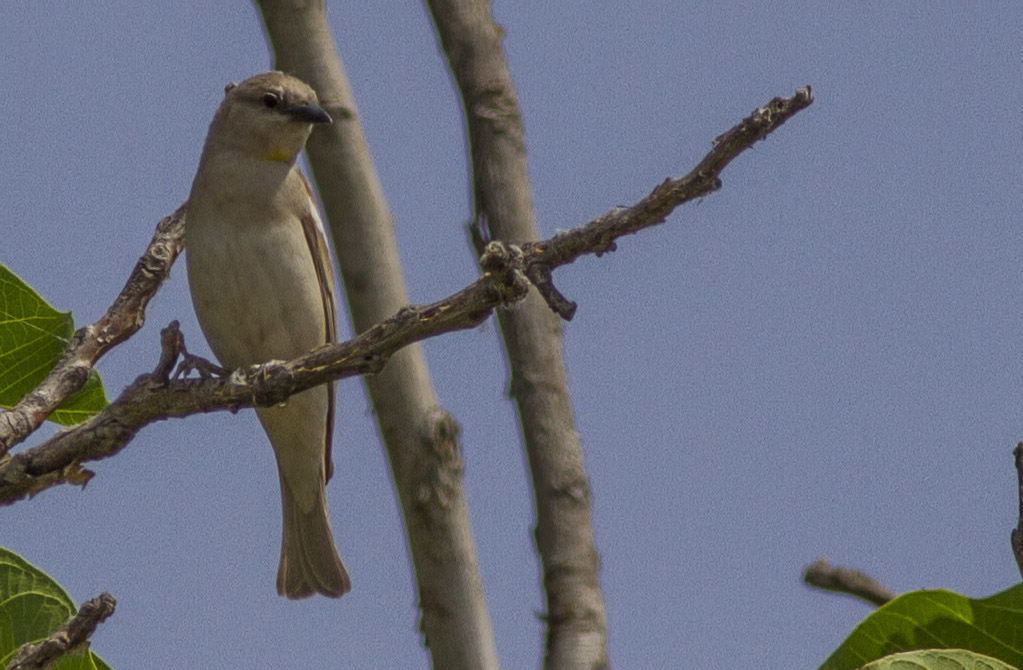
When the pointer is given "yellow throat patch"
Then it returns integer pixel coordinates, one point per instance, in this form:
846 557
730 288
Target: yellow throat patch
278 156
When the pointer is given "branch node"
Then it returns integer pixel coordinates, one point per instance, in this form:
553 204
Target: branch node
503 262
272 383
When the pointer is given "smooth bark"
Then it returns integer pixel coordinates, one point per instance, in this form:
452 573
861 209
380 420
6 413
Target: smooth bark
420 437
575 616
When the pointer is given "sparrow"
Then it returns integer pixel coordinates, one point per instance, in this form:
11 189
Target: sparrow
263 289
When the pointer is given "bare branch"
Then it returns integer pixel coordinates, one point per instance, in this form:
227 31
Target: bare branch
822 575
70 638
124 317
153 397
599 235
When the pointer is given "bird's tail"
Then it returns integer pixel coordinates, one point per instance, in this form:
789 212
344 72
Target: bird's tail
309 561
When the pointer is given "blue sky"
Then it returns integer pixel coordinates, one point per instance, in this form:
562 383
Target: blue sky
823 358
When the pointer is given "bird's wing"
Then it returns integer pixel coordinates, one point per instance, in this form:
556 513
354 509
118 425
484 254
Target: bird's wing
312 227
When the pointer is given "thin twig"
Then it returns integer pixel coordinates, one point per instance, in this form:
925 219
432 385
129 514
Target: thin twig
70 638
599 235
822 575
153 397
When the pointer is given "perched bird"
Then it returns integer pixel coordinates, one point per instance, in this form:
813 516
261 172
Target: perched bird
263 289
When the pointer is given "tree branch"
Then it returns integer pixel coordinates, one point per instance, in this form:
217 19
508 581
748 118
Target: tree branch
575 617
70 638
822 575
154 397
124 317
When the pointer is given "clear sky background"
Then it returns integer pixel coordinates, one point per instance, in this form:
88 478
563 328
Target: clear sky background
823 358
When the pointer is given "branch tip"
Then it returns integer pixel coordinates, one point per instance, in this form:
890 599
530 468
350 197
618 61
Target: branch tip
541 278
822 575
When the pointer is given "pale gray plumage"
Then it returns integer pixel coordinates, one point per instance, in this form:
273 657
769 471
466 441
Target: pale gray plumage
262 287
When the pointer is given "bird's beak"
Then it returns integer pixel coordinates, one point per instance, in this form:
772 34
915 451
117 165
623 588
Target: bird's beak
310 113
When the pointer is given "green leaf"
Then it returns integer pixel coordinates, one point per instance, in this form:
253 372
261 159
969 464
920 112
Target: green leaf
32 606
33 335
932 659
937 620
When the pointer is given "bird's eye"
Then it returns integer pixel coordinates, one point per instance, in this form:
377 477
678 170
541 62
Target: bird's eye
270 100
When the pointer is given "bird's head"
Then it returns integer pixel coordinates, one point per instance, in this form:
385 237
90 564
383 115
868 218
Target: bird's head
268 116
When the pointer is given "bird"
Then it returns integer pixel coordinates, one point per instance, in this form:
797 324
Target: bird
262 286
